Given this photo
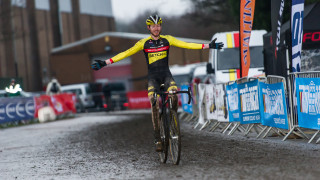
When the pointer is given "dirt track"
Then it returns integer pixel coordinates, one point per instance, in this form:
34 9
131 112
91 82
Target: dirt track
100 146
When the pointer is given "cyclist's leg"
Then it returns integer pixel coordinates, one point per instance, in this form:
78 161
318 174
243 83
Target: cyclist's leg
171 85
152 85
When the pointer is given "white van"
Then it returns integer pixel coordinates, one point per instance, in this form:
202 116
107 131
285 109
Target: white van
225 63
183 74
82 91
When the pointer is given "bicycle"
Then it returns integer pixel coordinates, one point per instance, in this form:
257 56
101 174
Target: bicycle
169 125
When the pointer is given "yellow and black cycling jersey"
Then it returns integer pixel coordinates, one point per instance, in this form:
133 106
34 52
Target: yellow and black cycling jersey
156 51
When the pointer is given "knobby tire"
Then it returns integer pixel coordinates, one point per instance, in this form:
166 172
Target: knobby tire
175 137
164 137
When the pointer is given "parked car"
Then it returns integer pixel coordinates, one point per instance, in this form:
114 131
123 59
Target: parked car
83 93
115 95
3 93
97 95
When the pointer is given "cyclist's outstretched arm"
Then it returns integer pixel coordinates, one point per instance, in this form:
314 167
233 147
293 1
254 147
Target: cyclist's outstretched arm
175 42
101 63
137 47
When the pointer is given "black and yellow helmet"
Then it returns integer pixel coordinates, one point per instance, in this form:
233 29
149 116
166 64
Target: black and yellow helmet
154 19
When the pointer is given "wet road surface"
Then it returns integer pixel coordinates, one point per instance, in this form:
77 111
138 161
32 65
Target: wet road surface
115 146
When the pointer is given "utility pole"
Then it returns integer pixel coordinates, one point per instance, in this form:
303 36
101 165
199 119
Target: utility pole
35 66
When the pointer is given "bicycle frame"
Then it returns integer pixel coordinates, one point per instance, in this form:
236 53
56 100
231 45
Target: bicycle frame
164 95
171 137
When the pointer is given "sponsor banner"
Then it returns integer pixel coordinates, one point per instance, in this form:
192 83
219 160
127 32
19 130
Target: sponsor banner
249 102
233 102
194 92
68 100
60 103
138 100
297 10
184 100
211 107
246 22
311 39
201 103
273 105
308 99
221 102
16 109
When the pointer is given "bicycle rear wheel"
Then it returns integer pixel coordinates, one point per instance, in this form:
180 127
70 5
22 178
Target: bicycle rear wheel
164 137
175 137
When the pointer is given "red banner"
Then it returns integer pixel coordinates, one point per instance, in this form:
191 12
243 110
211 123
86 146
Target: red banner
246 22
138 100
60 103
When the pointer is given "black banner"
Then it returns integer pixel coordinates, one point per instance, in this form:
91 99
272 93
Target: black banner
277 7
275 50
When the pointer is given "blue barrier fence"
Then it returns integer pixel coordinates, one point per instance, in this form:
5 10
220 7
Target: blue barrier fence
249 102
308 102
233 102
184 100
273 105
16 109
268 101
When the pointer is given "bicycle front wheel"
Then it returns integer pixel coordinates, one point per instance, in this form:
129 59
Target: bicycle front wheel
164 138
175 137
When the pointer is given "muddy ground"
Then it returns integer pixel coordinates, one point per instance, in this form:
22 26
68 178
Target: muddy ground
120 146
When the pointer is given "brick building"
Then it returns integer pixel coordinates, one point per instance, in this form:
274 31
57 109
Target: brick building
41 39
31 28
132 71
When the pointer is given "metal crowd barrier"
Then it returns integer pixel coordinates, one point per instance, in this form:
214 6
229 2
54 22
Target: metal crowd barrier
245 129
293 102
223 125
235 125
272 79
255 126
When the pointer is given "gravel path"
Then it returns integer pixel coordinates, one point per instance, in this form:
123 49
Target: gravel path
114 146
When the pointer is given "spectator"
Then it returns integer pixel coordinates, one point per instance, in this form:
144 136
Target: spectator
13 89
53 87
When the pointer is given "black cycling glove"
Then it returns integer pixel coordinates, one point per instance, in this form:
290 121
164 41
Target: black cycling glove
214 45
98 64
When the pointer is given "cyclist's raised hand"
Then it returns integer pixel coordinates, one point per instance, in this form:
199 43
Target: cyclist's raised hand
98 64
214 45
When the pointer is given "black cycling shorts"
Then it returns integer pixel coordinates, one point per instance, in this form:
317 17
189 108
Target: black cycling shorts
156 79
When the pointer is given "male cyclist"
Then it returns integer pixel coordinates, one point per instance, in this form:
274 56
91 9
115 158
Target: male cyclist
156 49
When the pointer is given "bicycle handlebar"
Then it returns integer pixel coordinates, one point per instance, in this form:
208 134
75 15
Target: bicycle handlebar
176 92
187 92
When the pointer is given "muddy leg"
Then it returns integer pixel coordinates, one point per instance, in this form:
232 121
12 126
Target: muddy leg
155 117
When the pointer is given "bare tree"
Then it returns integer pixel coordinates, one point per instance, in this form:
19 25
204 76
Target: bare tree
206 18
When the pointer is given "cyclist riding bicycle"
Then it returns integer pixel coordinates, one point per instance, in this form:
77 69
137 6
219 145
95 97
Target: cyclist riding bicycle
156 49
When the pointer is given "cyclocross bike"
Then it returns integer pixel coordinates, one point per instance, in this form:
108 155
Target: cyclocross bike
169 125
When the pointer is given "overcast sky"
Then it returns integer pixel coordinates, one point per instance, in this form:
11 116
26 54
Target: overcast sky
126 10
